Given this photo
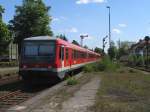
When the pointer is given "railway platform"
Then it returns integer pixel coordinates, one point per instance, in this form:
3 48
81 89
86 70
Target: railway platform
8 70
63 98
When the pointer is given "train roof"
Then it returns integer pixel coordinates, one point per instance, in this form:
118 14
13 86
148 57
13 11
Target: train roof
60 41
41 38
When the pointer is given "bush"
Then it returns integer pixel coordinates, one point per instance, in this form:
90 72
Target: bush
88 68
104 65
132 71
72 81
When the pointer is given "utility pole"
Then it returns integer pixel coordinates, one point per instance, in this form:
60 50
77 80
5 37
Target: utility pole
109 27
82 37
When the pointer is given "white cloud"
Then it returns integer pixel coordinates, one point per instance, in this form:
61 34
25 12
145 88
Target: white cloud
63 18
122 25
72 30
68 30
117 31
54 19
89 1
90 37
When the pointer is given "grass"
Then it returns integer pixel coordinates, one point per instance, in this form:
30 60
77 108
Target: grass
72 81
103 65
123 91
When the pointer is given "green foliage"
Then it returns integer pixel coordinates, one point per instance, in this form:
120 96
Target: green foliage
147 38
90 68
136 60
112 52
5 35
1 11
31 19
63 37
85 46
123 92
72 81
123 48
98 50
75 42
106 64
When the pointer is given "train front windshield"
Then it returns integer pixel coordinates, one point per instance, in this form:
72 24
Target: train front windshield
34 51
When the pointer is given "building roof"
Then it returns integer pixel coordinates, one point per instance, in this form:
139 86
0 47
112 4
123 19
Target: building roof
139 44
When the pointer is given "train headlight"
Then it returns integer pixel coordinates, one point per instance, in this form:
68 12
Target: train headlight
49 66
24 66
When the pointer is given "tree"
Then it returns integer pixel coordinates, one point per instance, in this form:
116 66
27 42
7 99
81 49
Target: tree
85 46
31 19
5 35
147 38
75 42
123 48
112 51
1 11
98 50
63 37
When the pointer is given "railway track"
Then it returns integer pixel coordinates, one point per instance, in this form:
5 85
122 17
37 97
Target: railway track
9 79
142 69
17 92
13 98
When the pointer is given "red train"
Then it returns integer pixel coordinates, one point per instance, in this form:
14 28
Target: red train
44 57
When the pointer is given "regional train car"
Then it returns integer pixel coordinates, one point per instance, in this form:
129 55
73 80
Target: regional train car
46 57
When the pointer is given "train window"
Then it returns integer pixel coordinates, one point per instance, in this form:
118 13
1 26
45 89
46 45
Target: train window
46 50
31 50
75 54
39 49
67 54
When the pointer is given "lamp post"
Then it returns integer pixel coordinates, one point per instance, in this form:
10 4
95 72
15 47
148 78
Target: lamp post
108 7
82 37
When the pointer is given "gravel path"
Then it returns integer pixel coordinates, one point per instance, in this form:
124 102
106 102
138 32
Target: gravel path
63 98
79 102
83 98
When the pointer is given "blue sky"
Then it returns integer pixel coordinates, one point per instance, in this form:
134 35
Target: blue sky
130 19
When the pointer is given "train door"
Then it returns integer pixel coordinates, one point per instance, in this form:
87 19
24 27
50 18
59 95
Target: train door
62 56
61 74
67 57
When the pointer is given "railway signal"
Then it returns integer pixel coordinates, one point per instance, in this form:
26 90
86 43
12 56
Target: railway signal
82 37
104 43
